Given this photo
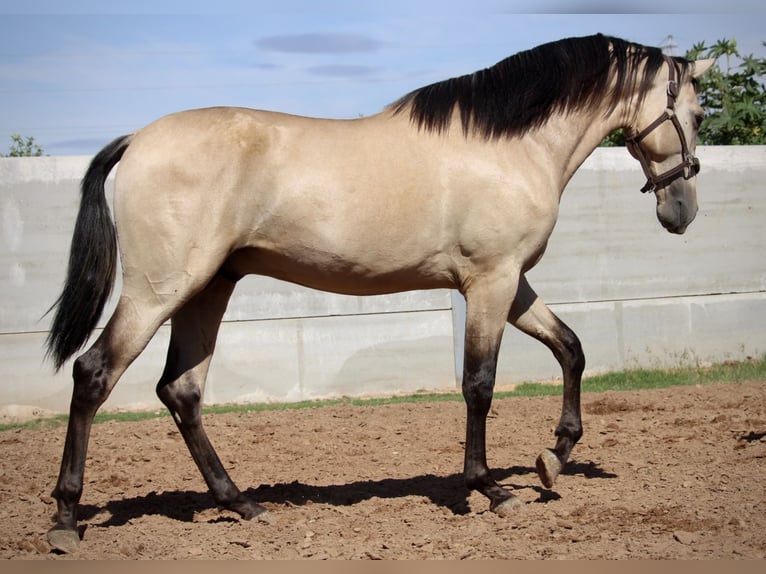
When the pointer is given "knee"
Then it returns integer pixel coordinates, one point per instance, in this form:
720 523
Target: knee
576 353
477 393
478 389
570 352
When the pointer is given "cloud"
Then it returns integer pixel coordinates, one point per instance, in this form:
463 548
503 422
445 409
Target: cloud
343 70
265 66
332 43
77 146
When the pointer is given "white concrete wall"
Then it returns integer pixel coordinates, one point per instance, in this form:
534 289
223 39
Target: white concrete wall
636 295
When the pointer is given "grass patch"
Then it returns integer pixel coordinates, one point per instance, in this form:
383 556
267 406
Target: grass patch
636 379
44 423
628 380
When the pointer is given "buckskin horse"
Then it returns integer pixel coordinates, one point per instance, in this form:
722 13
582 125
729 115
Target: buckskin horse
456 185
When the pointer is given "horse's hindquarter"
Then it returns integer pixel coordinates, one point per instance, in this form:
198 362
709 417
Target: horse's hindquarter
359 206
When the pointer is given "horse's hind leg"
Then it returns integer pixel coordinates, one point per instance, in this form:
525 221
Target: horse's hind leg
534 318
192 341
94 374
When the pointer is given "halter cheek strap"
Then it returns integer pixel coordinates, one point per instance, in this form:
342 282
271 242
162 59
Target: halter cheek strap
689 166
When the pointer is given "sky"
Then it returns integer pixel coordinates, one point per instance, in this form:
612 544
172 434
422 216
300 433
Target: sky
76 74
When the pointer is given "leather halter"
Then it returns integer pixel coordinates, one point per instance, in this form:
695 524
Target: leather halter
689 166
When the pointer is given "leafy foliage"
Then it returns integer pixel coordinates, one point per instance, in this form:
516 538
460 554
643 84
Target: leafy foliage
615 139
733 97
23 147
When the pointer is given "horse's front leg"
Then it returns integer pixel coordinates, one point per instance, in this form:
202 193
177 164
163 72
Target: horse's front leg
487 307
532 316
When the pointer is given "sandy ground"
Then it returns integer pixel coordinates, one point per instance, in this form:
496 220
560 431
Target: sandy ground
676 473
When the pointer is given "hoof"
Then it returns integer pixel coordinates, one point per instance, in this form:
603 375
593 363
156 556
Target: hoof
265 517
256 512
508 507
64 540
247 509
548 467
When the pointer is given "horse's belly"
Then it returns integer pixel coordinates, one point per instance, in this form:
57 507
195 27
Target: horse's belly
332 272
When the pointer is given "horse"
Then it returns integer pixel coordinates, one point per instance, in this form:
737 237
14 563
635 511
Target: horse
455 185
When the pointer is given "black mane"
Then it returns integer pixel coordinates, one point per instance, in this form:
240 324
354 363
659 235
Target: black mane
521 92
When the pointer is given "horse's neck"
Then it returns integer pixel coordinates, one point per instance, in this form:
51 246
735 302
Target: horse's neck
568 139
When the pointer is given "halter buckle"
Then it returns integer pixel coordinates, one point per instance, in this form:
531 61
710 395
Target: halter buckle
692 166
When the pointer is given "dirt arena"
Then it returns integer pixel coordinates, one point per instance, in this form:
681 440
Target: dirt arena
676 473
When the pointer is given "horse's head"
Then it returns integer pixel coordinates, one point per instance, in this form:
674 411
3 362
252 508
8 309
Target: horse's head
663 138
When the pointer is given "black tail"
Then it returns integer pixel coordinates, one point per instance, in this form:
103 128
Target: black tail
92 261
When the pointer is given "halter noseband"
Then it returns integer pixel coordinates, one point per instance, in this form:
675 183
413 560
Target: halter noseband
689 166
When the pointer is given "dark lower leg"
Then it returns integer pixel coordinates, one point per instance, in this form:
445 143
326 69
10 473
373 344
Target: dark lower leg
68 489
569 430
476 470
572 359
184 404
478 382
91 388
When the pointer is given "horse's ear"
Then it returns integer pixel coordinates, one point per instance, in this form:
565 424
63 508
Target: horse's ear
702 66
